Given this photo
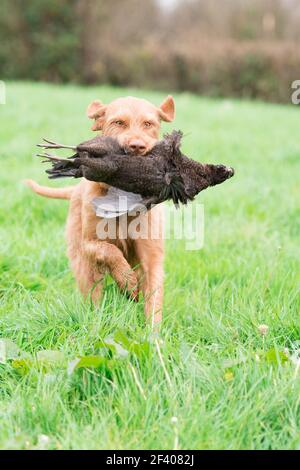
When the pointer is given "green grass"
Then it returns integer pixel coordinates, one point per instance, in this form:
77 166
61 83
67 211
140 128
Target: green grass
228 387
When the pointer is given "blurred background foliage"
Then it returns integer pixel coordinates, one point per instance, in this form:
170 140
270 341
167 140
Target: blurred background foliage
244 48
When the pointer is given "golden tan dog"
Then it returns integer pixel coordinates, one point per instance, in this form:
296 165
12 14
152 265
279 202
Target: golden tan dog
133 263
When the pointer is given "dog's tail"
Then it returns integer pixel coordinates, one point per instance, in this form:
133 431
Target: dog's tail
55 193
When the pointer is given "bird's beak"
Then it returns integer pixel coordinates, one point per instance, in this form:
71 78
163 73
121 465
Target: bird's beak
230 171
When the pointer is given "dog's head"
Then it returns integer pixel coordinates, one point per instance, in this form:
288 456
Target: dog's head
133 121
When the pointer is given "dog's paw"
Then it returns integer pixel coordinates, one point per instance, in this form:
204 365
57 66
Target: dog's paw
133 294
127 282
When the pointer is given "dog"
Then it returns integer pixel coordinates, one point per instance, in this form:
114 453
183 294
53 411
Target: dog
135 264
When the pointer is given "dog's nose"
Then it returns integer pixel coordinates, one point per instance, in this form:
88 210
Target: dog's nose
137 146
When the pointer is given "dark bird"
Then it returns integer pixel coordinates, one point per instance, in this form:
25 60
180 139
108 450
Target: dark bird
164 173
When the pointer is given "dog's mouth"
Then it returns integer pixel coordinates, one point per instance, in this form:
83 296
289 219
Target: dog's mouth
137 153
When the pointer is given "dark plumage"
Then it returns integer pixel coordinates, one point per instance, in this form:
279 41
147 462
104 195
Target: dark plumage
164 173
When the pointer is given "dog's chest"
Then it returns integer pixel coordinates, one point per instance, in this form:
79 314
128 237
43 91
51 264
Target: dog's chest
112 230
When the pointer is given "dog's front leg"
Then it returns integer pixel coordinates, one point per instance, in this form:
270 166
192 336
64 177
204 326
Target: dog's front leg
110 257
102 255
153 291
150 254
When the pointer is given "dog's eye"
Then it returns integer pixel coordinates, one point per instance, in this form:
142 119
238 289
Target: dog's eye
119 122
148 124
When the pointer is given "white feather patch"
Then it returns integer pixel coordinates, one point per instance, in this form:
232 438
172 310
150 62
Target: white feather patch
116 203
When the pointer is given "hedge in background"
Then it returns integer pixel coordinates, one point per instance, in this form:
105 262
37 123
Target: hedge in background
91 42
39 40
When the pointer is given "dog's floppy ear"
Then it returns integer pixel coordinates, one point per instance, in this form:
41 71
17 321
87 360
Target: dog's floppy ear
167 109
96 110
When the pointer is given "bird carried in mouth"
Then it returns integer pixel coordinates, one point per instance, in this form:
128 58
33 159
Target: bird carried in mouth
161 174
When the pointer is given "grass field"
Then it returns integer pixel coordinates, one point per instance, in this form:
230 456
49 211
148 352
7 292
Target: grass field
228 386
